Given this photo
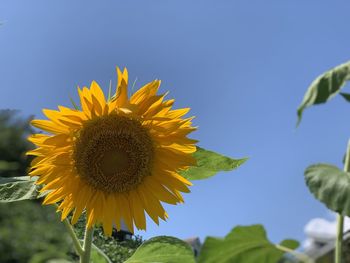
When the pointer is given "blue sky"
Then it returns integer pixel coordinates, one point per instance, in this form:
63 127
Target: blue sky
243 68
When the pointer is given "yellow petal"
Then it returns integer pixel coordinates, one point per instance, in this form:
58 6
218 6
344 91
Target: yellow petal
159 191
150 89
122 88
125 209
49 126
137 210
97 92
108 211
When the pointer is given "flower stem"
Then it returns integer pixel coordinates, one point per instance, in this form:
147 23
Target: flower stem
89 233
340 220
74 237
299 256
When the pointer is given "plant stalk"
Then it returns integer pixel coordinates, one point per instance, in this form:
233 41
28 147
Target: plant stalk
74 237
299 256
339 240
340 219
89 233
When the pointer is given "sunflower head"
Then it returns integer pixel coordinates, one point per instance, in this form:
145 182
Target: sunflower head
115 159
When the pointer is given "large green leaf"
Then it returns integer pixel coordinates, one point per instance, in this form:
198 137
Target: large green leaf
17 188
330 185
244 244
163 249
325 86
209 163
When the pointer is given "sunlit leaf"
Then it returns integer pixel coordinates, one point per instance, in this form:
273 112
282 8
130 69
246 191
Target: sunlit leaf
325 86
330 185
290 243
244 244
163 249
17 189
210 163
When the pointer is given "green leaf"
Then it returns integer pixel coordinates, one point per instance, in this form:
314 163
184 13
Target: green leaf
330 185
290 243
98 256
209 163
244 244
17 189
8 166
324 87
163 249
346 96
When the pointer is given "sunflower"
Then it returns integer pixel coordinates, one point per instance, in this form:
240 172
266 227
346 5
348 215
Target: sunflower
114 159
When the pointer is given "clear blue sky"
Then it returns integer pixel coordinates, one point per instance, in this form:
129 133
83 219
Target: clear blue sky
243 68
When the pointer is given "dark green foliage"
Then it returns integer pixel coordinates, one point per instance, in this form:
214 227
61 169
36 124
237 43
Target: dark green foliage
28 229
13 144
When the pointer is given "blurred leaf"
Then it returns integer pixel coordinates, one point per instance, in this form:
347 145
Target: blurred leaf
98 256
163 249
330 185
17 189
210 163
324 87
290 243
244 244
8 166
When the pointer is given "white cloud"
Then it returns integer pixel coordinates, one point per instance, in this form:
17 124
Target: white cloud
320 230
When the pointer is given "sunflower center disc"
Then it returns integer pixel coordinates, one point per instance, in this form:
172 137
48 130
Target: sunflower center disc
113 153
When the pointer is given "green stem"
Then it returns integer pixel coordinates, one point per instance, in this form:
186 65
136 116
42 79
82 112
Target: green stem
339 240
89 233
74 237
340 219
300 256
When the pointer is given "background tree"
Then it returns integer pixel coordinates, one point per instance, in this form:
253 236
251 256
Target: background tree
13 144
